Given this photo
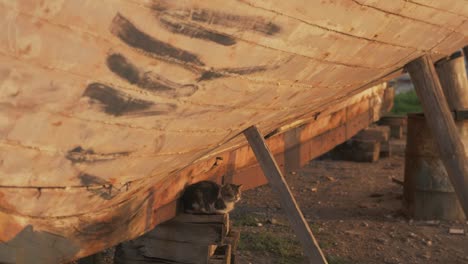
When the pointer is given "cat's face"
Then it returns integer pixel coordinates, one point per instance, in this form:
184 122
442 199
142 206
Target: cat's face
231 192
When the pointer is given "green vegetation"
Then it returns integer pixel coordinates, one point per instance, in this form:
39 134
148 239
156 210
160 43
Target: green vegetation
406 103
246 220
337 260
286 249
315 227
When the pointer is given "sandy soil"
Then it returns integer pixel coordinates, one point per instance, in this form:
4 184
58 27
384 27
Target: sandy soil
355 211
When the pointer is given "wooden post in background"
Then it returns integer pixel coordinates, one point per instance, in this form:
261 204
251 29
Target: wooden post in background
465 51
440 122
287 201
452 76
97 258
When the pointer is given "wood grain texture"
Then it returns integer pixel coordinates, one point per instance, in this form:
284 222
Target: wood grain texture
184 239
101 101
147 202
287 201
443 128
452 75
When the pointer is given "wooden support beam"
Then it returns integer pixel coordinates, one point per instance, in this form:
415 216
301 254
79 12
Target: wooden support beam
397 125
377 133
187 238
357 150
222 255
441 123
465 51
287 201
452 76
97 258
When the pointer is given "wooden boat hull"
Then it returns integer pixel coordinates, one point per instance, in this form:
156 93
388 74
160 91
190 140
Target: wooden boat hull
109 108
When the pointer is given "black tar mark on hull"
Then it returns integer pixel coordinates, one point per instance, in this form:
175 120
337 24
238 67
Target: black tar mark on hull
194 31
206 16
117 103
80 155
148 80
131 35
90 180
98 186
256 24
219 73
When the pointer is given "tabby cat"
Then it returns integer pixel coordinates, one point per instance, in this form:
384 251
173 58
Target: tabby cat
208 197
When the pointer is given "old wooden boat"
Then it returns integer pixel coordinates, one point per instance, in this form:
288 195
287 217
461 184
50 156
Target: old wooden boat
110 108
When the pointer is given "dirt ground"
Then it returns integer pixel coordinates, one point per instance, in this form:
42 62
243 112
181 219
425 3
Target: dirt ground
355 212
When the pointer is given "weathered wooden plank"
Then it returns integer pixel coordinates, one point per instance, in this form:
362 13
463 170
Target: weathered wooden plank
316 138
357 150
443 128
203 234
287 201
322 124
145 251
170 15
222 219
97 258
32 168
190 44
397 125
80 86
42 240
149 202
184 239
378 133
421 12
379 27
233 239
222 255
195 229
453 6
452 75
85 141
386 149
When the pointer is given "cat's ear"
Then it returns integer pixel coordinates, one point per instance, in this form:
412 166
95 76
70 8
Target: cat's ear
239 186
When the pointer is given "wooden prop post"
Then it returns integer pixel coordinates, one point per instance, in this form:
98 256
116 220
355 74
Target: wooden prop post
440 122
465 51
287 201
452 76
97 258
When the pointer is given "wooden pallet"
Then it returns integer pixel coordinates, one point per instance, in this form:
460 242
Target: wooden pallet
397 125
185 239
368 145
380 134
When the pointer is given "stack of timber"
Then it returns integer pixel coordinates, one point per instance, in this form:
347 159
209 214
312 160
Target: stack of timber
368 145
380 134
397 124
187 238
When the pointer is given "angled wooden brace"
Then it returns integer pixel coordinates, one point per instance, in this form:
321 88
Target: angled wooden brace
443 128
287 201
